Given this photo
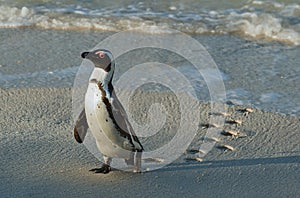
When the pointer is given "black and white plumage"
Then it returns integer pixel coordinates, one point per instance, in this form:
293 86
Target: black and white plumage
106 117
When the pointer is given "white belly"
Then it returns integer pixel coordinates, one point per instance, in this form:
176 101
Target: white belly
108 139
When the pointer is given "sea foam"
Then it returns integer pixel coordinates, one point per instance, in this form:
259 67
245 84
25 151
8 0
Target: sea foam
283 27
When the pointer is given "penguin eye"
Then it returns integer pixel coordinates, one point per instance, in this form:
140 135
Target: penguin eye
101 54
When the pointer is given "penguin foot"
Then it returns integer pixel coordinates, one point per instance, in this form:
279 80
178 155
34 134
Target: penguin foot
104 169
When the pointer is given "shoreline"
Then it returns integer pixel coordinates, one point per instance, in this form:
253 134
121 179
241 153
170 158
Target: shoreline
260 74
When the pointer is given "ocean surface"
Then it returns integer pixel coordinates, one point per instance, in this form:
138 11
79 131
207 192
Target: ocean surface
274 20
267 30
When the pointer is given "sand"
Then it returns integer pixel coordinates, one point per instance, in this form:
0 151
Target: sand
40 157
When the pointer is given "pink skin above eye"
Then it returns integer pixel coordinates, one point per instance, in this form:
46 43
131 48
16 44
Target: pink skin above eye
101 54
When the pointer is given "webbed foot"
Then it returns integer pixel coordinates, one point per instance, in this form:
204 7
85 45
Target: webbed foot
104 169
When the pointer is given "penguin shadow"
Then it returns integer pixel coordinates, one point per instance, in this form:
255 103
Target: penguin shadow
195 165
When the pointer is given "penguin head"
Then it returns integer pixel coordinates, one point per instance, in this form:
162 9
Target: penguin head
101 58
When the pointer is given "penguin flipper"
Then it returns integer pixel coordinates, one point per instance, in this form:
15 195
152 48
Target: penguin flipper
122 119
81 127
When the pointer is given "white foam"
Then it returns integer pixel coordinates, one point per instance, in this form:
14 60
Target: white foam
251 24
291 11
264 25
257 2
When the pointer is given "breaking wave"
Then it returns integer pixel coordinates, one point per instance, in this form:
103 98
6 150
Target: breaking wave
266 20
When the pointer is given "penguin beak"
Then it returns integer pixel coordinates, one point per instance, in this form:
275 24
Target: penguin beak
84 54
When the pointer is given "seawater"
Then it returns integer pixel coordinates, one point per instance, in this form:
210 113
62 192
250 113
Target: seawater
274 20
267 77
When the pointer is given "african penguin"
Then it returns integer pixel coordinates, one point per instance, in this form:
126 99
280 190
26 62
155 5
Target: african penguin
106 117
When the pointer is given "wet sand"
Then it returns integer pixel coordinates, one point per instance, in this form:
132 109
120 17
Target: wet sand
256 73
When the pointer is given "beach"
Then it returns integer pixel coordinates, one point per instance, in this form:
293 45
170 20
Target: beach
40 157
253 52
